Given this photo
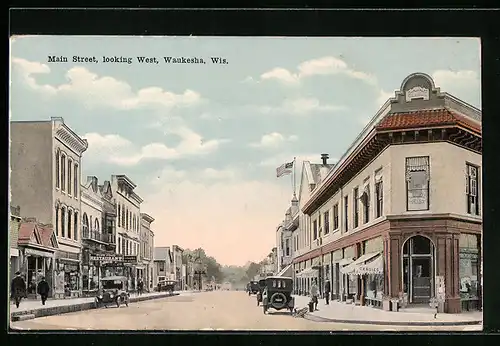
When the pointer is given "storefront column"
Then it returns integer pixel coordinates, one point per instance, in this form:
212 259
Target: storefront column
448 267
392 265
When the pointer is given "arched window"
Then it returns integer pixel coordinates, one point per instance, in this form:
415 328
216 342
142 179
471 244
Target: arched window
57 220
96 225
70 223
75 228
70 174
126 218
119 215
63 172
63 222
58 170
123 217
85 225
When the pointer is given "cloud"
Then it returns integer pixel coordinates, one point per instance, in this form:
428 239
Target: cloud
383 96
301 106
118 150
327 65
103 91
214 174
273 140
465 84
193 213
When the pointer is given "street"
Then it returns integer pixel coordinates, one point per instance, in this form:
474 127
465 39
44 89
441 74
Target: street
217 310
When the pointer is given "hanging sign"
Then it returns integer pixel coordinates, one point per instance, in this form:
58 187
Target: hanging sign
130 259
107 258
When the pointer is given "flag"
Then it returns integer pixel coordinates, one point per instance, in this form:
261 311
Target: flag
284 169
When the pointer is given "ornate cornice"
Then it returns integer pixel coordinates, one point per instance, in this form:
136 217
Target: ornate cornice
68 137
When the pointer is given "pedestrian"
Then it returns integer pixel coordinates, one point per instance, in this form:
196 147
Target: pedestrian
140 286
327 291
18 288
43 289
314 293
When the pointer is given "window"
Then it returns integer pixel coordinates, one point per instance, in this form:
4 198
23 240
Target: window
63 220
70 223
162 266
336 216
417 183
365 197
346 213
96 226
468 266
70 173
379 197
85 226
76 190
58 170
57 221
126 218
472 190
63 172
355 200
119 215
287 247
315 230
75 228
123 246
123 216
326 222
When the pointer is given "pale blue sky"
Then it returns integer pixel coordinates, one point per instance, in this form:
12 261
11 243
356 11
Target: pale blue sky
203 145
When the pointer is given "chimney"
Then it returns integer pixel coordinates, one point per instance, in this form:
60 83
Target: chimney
324 158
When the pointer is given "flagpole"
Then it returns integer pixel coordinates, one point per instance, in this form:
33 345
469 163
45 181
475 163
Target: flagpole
294 176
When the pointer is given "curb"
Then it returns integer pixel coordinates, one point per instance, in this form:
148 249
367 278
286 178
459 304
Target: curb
58 310
314 318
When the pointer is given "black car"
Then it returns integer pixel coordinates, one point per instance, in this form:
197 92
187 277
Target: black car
278 294
262 285
253 287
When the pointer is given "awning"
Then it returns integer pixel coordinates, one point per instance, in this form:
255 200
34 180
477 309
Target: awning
316 262
345 261
374 267
287 271
308 273
360 261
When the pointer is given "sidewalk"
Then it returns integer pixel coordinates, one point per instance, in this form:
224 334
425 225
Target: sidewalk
349 313
34 308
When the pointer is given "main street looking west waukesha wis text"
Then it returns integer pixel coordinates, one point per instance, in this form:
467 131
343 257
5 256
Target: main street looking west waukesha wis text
138 59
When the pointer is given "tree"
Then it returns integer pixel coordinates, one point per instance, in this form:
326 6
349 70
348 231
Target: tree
210 264
252 270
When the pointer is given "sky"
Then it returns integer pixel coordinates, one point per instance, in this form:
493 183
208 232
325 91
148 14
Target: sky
203 141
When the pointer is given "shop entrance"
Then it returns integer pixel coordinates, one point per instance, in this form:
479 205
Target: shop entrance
418 269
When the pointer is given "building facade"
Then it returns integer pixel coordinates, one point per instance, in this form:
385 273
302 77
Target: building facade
163 264
285 239
403 206
15 221
128 210
147 250
179 275
46 155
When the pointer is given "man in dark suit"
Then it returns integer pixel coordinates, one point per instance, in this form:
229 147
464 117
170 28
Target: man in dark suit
18 288
43 290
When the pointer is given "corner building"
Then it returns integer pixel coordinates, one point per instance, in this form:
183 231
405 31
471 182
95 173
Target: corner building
403 206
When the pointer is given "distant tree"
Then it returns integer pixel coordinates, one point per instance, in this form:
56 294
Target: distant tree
252 270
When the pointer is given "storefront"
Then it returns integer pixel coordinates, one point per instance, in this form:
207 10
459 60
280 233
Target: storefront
131 266
336 282
68 275
14 264
470 285
37 264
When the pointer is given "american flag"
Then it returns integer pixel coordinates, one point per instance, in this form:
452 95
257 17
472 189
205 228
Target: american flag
284 169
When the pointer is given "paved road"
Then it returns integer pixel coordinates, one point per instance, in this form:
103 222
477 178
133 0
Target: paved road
219 310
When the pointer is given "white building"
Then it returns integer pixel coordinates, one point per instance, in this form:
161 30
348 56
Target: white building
163 263
285 239
147 249
46 157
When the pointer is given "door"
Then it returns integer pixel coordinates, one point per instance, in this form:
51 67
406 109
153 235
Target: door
421 279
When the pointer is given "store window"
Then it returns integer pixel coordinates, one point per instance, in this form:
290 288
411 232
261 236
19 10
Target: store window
469 257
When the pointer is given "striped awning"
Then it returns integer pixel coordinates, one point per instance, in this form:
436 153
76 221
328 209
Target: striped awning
350 269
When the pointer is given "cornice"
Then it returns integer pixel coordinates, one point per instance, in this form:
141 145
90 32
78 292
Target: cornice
68 137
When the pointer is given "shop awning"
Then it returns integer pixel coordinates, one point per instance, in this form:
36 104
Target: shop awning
374 267
345 261
308 273
349 270
287 271
316 262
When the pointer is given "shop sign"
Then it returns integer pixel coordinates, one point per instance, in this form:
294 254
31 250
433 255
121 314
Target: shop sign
130 259
107 258
35 252
70 267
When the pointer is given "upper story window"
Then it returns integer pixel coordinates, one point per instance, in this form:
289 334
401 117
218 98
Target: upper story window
336 216
96 225
70 223
379 198
346 213
119 208
75 181
355 200
472 189
287 247
58 169
75 226
417 183
70 174
63 220
326 222
63 172
365 199
315 229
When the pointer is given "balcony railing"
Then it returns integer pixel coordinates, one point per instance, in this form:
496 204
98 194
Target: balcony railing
102 237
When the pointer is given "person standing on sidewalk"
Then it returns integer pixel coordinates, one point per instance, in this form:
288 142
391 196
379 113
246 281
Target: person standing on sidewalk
140 286
43 290
327 291
315 293
18 288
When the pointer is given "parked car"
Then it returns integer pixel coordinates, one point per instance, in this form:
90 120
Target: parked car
262 286
277 294
114 290
253 287
166 286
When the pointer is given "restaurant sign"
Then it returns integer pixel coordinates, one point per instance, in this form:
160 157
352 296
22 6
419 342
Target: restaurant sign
106 258
130 259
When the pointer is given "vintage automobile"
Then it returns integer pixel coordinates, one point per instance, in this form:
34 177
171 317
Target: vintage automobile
262 285
166 286
253 287
114 289
278 294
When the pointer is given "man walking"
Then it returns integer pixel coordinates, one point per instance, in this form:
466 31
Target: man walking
18 288
327 291
43 290
315 293
140 286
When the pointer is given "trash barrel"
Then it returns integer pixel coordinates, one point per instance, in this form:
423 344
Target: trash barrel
311 307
